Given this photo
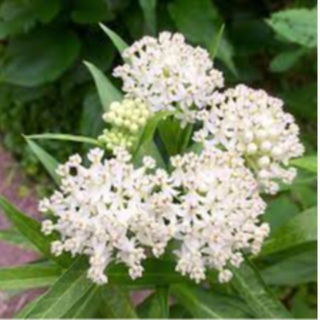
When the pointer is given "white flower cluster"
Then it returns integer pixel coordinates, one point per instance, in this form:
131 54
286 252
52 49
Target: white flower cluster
114 212
108 211
126 118
218 212
209 204
170 75
254 124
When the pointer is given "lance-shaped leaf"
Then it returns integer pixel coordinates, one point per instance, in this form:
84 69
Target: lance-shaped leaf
31 230
45 158
156 273
28 276
69 289
156 306
204 304
250 286
309 163
299 230
116 303
116 39
14 237
87 306
149 11
64 137
108 93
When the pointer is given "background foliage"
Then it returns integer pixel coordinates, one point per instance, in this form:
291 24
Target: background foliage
44 87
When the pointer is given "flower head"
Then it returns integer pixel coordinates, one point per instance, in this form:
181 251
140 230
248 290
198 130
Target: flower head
254 124
169 74
108 211
218 212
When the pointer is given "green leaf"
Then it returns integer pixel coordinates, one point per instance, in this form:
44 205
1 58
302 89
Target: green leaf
200 22
15 17
299 230
156 305
279 211
149 130
309 163
45 11
117 40
87 306
108 93
216 43
18 16
64 137
293 270
286 60
174 138
149 13
91 119
149 148
177 311
39 57
157 273
296 25
91 11
22 313
70 288
203 304
250 286
116 303
303 101
29 276
14 237
302 309
46 159
31 230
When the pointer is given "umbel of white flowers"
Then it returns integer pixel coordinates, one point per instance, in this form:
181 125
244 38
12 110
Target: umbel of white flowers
209 204
112 212
170 75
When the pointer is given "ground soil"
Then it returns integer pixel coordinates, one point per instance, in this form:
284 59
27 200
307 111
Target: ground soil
15 187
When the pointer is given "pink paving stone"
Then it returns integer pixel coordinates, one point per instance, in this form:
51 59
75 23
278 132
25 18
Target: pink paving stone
11 180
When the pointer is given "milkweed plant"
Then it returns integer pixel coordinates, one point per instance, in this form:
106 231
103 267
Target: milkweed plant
170 197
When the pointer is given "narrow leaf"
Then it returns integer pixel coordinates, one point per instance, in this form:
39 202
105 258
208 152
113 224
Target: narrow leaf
70 288
46 159
28 276
108 93
216 43
250 286
64 137
14 237
156 305
293 270
116 303
31 230
87 306
148 132
117 40
156 273
309 163
203 304
149 11
299 230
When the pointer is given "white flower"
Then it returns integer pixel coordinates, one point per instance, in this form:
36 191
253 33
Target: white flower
254 124
110 212
169 74
218 212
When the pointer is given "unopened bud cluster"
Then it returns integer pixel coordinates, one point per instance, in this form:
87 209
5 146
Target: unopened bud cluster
126 119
